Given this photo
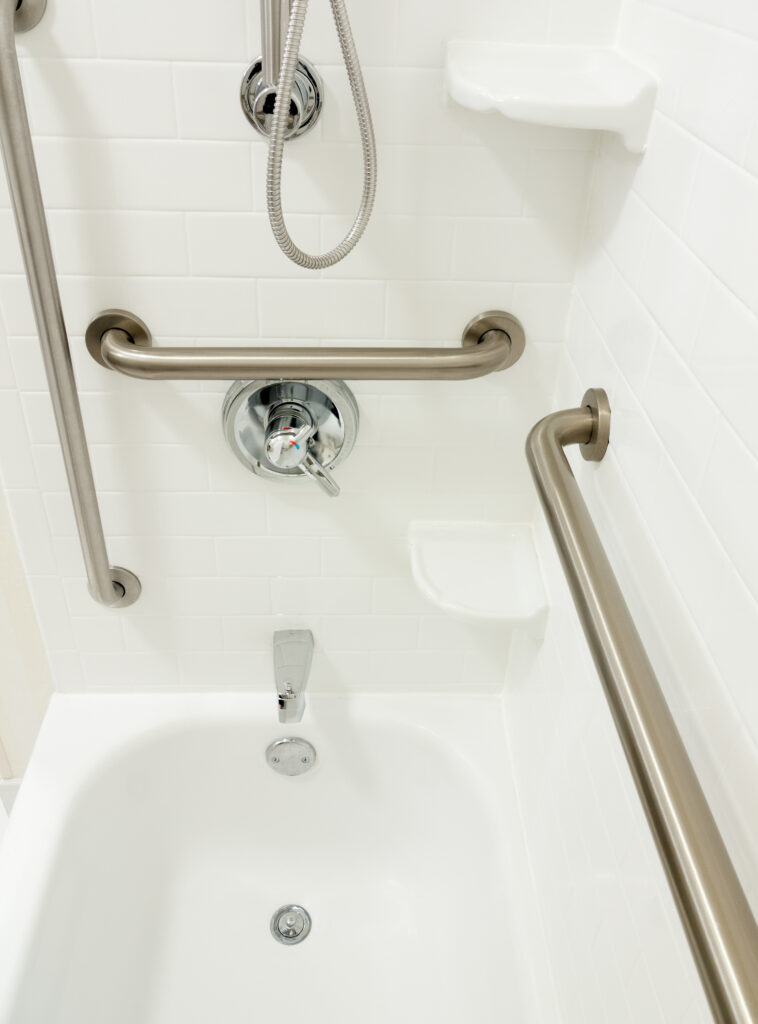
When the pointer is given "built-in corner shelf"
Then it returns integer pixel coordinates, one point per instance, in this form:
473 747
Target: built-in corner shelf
479 570
562 86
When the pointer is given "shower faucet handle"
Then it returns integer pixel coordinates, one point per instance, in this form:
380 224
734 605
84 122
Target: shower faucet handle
289 428
313 468
289 431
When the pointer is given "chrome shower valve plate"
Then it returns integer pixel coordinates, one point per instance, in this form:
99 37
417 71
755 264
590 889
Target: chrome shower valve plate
305 105
330 406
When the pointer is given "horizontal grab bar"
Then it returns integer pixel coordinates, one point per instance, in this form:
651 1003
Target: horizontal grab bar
712 905
121 341
110 585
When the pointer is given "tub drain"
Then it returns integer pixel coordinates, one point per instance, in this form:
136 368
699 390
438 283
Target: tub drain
290 924
291 756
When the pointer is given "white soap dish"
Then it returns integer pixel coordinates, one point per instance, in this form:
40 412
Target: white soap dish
479 570
562 86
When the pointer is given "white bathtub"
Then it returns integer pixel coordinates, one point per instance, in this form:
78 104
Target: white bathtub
151 843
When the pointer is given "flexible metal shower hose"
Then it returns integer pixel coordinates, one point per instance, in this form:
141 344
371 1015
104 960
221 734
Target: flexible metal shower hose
276 142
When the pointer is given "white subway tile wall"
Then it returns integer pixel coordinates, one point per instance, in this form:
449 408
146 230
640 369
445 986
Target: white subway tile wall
685 422
664 315
155 189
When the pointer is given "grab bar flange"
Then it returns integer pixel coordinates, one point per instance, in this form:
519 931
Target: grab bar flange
126 585
137 331
28 14
596 400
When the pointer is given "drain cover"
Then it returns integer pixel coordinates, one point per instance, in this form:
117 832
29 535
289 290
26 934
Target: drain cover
290 924
291 756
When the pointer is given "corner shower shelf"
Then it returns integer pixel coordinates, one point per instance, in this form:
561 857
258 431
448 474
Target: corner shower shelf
479 570
562 86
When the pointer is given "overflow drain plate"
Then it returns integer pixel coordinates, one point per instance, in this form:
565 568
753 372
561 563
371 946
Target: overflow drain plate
290 924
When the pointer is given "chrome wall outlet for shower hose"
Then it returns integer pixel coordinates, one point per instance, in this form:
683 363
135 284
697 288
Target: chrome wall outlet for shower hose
258 98
291 428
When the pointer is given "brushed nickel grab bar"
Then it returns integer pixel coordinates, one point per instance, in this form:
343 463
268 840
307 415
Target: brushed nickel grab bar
121 341
714 911
110 585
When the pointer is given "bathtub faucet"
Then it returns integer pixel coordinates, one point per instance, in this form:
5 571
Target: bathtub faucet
293 651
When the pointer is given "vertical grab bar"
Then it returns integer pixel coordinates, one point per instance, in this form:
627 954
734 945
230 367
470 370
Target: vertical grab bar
110 585
712 905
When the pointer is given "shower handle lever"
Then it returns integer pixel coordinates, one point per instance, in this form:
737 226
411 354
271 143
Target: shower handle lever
313 468
289 431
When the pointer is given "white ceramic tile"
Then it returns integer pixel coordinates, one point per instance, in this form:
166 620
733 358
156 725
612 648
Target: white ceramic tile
219 597
555 183
421 36
666 174
737 15
369 632
439 310
17 468
725 359
470 181
129 671
52 613
207 101
98 634
418 671
328 309
363 556
171 467
107 243
393 247
317 177
268 556
255 633
672 286
685 419
198 514
717 101
373 28
324 596
100 99
522 249
542 309
65 29
30 524
722 222
175 32
10 251
584 23
178 308
396 595
630 330
408 107
628 236
168 174
241 245
186 633
729 497
226 670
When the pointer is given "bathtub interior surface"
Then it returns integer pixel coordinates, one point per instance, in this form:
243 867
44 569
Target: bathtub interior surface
170 842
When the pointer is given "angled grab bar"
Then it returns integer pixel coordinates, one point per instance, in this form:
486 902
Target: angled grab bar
712 905
121 341
110 585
